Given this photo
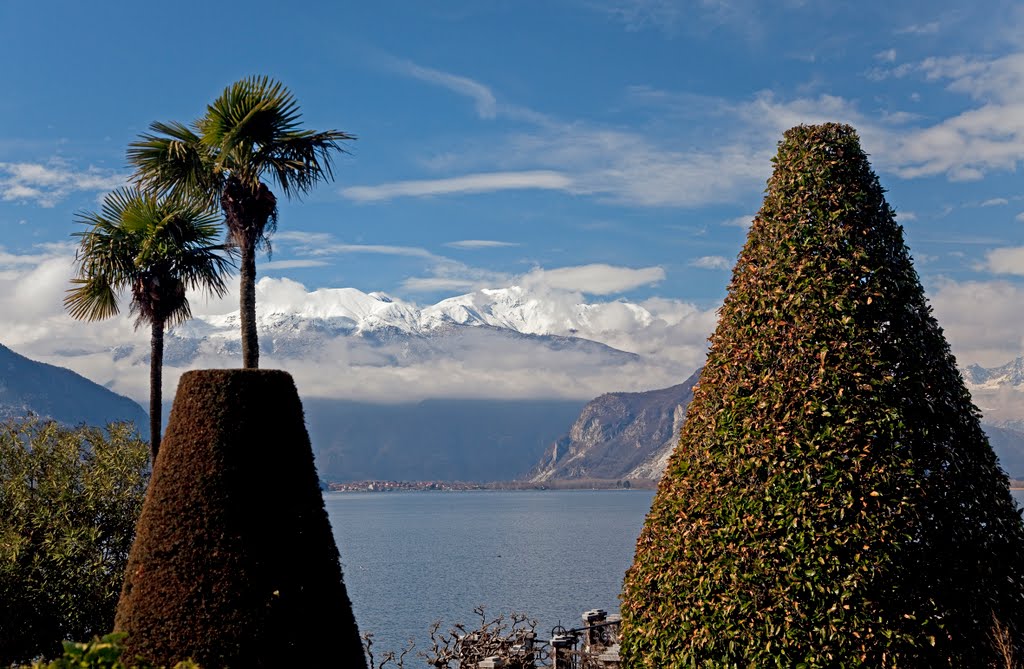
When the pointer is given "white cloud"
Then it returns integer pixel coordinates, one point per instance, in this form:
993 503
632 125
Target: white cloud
998 79
469 183
740 222
982 320
1019 217
711 262
46 185
486 104
292 264
596 279
380 249
432 284
318 244
966 146
906 216
1009 260
887 56
479 244
627 167
995 202
304 239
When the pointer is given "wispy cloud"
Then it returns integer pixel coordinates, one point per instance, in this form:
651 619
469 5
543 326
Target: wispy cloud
482 96
479 244
929 28
664 15
711 262
318 244
48 184
638 167
670 16
995 202
436 273
438 284
470 183
292 264
739 222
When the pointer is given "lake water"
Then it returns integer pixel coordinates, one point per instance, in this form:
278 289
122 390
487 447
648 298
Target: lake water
413 558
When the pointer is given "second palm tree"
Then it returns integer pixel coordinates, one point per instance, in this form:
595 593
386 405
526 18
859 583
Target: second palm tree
249 133
156 248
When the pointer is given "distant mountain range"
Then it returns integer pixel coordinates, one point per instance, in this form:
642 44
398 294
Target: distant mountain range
632 435
27 386
617 435
1010 375
433 440
379 330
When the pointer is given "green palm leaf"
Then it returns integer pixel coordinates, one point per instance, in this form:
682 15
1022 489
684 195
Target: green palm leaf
146 244
250 134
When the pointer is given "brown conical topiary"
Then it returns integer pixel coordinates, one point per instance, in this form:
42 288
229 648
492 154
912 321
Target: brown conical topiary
234 563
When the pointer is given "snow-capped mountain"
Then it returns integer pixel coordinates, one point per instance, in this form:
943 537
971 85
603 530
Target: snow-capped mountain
1010 375
380 330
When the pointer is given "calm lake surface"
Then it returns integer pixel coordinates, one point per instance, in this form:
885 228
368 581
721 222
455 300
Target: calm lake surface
416 557
413 558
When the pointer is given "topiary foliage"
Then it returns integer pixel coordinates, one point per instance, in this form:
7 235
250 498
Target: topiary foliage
833 501
234 563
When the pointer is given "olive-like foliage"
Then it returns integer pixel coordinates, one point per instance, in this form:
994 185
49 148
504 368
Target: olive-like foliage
833 500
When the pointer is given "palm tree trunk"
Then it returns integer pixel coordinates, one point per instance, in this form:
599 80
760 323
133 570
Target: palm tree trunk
247 307
156 368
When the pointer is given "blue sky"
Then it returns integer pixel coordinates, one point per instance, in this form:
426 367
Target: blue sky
500 138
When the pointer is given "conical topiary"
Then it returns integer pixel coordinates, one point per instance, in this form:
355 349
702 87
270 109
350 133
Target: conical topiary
234 563
833 501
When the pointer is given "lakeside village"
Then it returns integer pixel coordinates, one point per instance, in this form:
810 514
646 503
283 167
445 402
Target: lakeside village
463 486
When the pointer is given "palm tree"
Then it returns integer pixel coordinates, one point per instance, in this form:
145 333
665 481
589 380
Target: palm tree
248 134
156 247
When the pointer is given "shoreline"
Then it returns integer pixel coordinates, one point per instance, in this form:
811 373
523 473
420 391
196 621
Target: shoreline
464 486
468 486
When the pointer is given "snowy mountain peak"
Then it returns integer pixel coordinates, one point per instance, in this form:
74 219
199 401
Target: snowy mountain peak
1009 375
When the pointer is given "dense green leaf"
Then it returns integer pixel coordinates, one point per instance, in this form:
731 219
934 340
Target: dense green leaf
833 501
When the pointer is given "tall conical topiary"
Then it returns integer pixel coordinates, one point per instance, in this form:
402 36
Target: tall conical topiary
234 563
833 501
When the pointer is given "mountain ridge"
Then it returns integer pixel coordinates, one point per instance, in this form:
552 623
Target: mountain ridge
28 386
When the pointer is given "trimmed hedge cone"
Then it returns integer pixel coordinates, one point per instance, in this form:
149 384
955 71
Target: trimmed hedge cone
833 501
234 563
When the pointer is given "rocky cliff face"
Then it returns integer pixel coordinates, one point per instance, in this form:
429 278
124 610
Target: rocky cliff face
619 436
632 435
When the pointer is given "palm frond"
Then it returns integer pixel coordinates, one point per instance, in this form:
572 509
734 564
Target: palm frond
173 158
254 129
300 160
154 246
91 299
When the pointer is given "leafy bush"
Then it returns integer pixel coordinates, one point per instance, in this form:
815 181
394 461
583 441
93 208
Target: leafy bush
69 498
100 653
833 501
